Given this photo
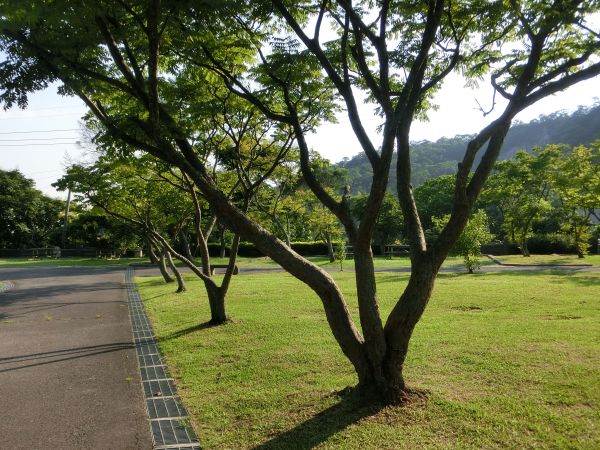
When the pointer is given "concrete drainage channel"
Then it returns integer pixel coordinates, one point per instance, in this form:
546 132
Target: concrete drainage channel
169 421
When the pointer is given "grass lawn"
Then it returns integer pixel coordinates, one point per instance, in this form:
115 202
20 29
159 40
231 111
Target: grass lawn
549 259
379 261
69 262
510 360
261 262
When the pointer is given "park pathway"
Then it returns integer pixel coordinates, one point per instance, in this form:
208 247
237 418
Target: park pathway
69 376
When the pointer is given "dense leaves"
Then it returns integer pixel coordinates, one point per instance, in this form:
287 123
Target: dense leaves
28 218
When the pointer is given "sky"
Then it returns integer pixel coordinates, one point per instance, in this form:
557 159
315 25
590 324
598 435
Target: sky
44 139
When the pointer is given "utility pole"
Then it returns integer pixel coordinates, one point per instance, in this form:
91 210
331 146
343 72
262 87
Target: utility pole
66 222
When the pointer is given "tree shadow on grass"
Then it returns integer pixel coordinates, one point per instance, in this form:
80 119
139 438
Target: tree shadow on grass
350 409
183 332
575 276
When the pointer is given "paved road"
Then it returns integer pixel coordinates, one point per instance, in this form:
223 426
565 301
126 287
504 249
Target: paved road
68 368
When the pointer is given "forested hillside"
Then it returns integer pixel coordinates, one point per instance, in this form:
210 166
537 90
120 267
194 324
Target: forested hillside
432 159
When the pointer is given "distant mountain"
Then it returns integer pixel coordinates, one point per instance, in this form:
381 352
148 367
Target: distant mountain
432 159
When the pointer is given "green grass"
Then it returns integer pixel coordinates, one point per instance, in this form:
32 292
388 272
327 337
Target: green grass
550 259
69 262
380 262
510 360
259 262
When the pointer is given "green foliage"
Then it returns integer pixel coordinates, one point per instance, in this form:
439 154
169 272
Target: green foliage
475 234
137 195
340 253
389 224
577 183
556 182
95 228
434 198
521 189
28 218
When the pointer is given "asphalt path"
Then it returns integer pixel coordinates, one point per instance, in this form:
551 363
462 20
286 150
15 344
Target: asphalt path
68 369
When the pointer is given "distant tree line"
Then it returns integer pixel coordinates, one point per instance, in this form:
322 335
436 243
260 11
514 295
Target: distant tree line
30 219
433 159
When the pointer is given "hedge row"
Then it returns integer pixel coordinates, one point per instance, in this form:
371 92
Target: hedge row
249 250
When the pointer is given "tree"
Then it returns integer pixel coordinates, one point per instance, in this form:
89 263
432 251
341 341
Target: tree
576 180
434 198
27 217
475 234
521 189
389 225
324 225
94 228
127 191
397 53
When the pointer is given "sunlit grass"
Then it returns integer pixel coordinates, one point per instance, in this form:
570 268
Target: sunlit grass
69 262
510 360
380 262
549 259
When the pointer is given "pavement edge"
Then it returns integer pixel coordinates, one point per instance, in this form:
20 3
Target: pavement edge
169 420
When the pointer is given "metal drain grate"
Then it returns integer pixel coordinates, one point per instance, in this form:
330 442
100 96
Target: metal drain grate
169 421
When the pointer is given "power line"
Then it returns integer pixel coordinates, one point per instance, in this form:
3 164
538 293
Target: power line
36 139
51 143
28 174
39 131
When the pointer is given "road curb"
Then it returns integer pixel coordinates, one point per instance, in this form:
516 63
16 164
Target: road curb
169 420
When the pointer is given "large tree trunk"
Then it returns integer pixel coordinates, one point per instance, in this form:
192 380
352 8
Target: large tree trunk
216 301
400 326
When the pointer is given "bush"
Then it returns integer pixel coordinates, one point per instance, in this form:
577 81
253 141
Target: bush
248 249
545 244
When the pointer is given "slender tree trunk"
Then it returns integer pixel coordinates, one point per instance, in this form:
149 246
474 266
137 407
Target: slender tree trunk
222 241
151 253
185 244
217 295
330 251
162 265
176 272
524 247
